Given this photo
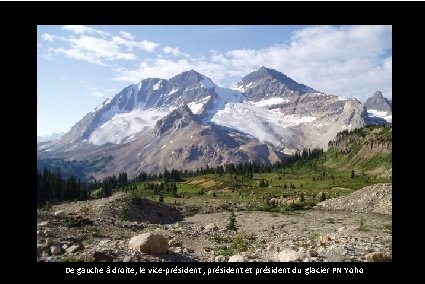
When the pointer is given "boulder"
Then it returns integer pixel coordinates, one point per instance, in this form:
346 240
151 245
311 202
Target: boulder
149 243
375 257
237 258
48 232
56 249
75 248
220 258
43 224
324 240
312 253
288 255
59 213
211 227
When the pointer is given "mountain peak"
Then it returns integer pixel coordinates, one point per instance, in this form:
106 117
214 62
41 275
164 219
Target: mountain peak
378 94
263 68
188 77
378 102
261 83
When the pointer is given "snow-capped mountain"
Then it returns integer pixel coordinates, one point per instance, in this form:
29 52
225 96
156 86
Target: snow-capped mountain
188 122
268 83
378 106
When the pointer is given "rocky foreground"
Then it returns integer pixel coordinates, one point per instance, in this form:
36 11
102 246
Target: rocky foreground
96 231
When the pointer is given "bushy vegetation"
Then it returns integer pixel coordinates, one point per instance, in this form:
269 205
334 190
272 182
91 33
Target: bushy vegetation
231 225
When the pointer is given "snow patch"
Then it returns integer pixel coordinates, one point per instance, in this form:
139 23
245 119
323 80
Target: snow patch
269 102
381 114
238 88
157 85
196 107
104 103
163 146
123 126
172 91
264 124
242 88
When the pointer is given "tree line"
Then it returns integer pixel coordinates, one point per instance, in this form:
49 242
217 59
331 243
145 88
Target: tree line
52 186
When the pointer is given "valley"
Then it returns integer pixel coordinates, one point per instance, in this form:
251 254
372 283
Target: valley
331 206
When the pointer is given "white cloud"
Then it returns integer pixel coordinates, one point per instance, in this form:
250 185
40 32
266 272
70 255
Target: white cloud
131 44
148 46
349 61
101 48
161 68
96 46
171 50
75 54
98 94
48 37
80 29
126 35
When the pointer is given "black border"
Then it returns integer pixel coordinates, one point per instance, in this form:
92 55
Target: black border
20 51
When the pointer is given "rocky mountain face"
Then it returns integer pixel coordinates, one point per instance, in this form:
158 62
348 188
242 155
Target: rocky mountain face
267 83
379 107
378 102
188 122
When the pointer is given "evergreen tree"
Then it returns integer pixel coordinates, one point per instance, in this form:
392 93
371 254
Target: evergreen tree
231 225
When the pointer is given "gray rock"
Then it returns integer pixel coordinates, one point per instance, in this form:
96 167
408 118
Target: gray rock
302 252
56 249
175 243
375 257
43 224
48 232
75 248
211 227
312 253
220 258
49 242
127 258
59 213
149 243
236 258
288 255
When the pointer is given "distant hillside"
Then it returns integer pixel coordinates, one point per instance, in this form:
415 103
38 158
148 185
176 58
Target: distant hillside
365 150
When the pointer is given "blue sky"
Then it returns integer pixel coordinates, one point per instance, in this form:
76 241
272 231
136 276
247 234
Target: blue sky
78 67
